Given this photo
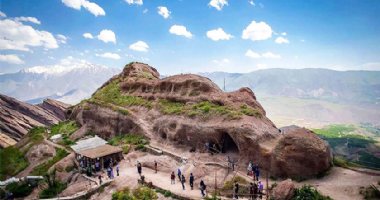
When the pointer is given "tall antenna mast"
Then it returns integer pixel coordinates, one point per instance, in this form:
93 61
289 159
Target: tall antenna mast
224 83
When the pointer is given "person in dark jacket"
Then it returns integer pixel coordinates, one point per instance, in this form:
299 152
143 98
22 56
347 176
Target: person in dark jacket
191 181
183 181
202 187
172 178
139 168
236 190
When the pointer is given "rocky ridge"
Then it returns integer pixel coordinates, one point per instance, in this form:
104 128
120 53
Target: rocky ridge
189 111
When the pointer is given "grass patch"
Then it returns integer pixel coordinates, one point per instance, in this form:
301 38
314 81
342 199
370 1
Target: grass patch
111 94
64 128
133 139
126 149
12 161
43 168
307 192
36 134
166 193
245 109
369 193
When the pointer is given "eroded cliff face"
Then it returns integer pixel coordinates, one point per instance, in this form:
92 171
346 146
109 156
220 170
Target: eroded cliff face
17 117
190 110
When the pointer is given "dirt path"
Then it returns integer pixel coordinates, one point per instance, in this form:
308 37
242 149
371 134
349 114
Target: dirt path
342 183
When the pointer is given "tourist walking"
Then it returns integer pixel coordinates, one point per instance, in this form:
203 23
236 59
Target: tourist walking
261 189
191 181
257 173
236 190
100 179
109 172
183 181
155 166
179 173
139 168
202 187
172 178
112 175
117 169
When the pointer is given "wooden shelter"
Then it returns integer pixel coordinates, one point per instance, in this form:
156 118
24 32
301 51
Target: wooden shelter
96 154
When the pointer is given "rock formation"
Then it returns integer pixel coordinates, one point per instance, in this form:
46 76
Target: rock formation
189 111
17 117
284 190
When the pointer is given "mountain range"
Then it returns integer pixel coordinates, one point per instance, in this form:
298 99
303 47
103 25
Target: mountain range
307 97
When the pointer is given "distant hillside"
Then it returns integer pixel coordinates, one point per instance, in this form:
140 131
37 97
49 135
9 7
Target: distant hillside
322 84
310 97
69 84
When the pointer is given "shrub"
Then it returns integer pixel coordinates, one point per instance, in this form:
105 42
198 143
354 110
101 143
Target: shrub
166 193
369 193
229 185
53 190
12 161
140 193
126 149
245 109
140 147
307 192
21 189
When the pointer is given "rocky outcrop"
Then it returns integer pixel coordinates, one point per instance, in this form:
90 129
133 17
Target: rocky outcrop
304 149
284 190
17 117
188 111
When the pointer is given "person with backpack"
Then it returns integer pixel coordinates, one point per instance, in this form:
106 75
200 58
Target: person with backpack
257 173
117 169
172 178
202 187
191 181
139 168
183 181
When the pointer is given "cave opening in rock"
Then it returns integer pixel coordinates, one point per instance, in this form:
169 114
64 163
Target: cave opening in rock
228 145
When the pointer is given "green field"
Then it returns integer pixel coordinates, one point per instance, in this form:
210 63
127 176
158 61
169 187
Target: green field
357 144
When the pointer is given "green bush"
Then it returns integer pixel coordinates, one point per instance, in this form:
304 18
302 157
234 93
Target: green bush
144 193
307 192
64 128
166 193
12 161
140 147
52 191
140 193
229 185
369 193
245 109
126 149
21 189
43 168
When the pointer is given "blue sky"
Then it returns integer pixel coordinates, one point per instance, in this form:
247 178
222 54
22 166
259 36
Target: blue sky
244 35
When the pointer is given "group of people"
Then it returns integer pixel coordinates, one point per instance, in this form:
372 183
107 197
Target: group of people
255 190
253 170
182 180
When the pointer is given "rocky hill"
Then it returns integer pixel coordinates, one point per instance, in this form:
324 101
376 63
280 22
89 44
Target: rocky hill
189 111
17 117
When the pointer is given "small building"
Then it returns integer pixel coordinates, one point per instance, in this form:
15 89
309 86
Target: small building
95 154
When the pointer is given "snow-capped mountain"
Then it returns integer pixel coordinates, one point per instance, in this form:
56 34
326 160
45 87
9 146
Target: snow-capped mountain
70 81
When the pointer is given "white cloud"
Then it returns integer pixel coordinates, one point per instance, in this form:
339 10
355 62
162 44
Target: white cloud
218 34
28 19
61 38
281 40
302 40
180 30
271 55
93 8
252 54
109 55
2 14
107 36
252 3
145 11
139 46
257 31
163 11
11 58
284 33
137 2
261 66
255 55
221 62
88 35
218 4
15 35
